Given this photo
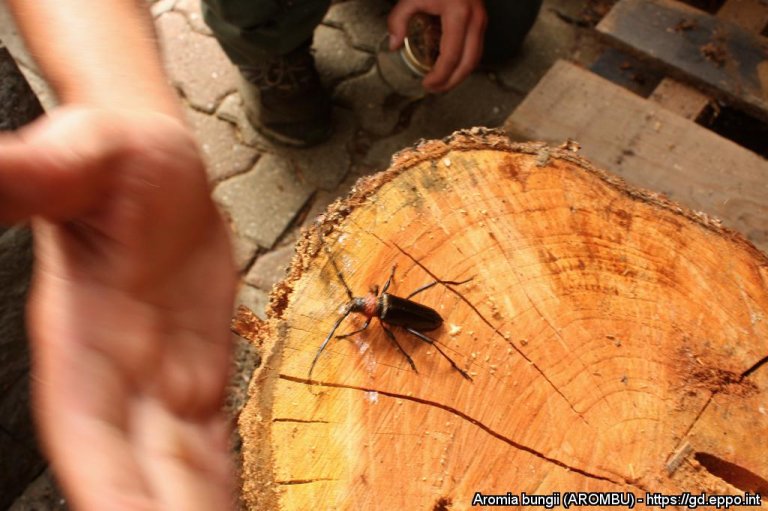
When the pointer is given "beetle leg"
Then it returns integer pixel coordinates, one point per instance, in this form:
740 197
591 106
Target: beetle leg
427 286
389 280
400 348
457 282
367 322
433 343
422 288
325 342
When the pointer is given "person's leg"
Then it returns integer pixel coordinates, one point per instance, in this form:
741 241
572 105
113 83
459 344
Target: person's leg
508 23
269 41
250 31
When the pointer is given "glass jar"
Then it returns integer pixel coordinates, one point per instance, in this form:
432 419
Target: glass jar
404 69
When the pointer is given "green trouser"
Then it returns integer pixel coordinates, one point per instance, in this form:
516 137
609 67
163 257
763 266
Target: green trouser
250 31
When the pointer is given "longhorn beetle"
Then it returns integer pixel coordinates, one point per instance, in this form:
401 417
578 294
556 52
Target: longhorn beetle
393 310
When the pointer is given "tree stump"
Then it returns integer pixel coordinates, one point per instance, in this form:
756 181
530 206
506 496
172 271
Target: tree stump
616 342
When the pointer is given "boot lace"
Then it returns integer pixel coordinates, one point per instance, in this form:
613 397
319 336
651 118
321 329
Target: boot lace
285 74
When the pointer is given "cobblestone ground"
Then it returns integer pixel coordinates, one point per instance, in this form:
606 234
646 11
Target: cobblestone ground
269 192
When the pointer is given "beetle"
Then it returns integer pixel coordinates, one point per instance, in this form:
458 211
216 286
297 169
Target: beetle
413 317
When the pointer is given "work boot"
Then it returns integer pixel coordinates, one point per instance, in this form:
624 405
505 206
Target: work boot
285 101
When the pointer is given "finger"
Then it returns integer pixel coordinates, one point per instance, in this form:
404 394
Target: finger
82 427
35 181
473 51
397 22
185 460
52 169
451 49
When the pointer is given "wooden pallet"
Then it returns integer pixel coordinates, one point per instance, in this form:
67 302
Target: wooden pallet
654 142
715 53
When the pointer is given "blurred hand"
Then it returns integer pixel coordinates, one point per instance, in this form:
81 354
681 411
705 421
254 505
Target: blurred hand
129 308
461 47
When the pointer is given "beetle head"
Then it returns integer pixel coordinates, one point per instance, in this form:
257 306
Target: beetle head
357 304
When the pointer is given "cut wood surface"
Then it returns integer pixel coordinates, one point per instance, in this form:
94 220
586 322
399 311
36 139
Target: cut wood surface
711 52
648 146
684 100
616 342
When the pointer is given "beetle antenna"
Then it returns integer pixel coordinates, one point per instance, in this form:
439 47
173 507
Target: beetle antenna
341 277
336 268
431 341
347 311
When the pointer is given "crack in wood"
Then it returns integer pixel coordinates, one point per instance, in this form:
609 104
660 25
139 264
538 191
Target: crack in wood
304 481
493 328
749 372
300 421
560 338
684 437
746 374
475 422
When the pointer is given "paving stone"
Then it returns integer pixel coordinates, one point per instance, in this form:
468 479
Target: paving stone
253 298
243 251
41 495
19 461
40 87
320 203
15 271
322 166
231 110
192 9
246 356
551 38
262 202
377 107
323 199
16 422
478 101
18 104
269 268
365 21
335 58
224 154
195 62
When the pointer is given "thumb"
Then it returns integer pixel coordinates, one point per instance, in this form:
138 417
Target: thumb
55 168
397 22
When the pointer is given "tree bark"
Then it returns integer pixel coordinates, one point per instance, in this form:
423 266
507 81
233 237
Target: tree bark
616 342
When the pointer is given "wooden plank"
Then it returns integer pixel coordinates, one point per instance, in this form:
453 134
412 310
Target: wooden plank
689 102
625 69
648 146
684 100
714 54
751 15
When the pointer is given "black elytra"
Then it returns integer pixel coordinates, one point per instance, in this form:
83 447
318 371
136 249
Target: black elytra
392 310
